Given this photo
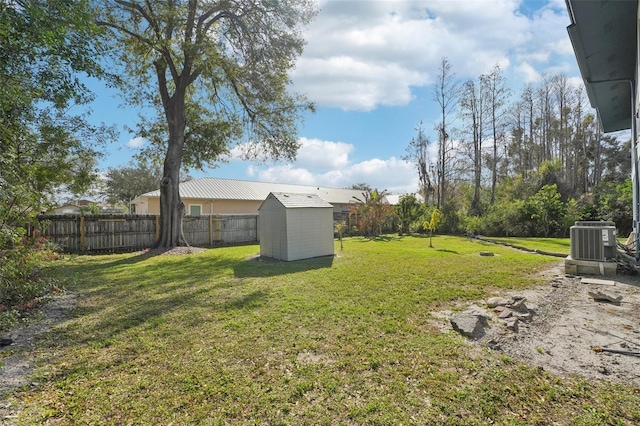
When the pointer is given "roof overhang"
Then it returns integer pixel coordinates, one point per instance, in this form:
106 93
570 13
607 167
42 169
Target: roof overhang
603 35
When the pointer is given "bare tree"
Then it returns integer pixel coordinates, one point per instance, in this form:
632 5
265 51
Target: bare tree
497 94
473 111
545 111
446 92
517 128
418 154
528 101
565 105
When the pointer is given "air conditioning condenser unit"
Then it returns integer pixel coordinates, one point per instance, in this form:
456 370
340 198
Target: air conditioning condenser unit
593 242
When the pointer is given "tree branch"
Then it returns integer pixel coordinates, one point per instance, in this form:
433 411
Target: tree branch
159 46
138 37
162 83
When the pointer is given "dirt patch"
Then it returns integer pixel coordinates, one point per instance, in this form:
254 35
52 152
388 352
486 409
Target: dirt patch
16 361
174 251
563 329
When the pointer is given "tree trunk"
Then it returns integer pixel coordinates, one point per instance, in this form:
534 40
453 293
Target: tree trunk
597 166
494 169
443 162
172 209
477 173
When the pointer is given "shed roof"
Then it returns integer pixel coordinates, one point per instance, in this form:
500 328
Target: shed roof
297 201
603 35
233 189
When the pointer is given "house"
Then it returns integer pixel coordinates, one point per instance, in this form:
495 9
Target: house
212 196
295 226
604 35
84 207
66 209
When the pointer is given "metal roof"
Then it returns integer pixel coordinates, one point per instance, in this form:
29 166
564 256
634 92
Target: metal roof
233 189
603 34
394 199
295 200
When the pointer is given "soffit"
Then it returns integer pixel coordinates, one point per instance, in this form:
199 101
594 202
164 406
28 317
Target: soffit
603 34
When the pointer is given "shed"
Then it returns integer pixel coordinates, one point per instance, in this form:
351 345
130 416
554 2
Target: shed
295 226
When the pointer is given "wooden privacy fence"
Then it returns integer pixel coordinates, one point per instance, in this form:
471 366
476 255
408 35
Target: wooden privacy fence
119 233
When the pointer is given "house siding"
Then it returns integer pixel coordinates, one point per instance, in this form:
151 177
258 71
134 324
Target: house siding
235 207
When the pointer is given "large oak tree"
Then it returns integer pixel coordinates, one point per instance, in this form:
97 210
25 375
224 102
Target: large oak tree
217 73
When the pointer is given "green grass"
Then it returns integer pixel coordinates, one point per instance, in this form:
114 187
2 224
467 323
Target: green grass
216 339
548 245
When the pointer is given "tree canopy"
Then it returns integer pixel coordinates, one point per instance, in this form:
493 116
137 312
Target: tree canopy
46 47
217 74
123 184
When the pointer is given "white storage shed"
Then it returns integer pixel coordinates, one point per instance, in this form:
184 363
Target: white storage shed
295 226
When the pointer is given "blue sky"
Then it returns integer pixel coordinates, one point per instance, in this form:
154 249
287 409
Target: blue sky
369 66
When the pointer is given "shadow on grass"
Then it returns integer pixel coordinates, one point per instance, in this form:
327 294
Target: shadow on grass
447 251
140 256
164 315
95 265
198 266
158 309
149 295
378 238
250 300
267 267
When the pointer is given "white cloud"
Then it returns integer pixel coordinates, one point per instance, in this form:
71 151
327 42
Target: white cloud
318 154
353 84
136 142
236 153
313 153
363 54
393 174
576 82
528 73
326 163
286 174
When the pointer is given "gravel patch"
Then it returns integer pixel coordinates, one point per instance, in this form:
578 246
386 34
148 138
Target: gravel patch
565 330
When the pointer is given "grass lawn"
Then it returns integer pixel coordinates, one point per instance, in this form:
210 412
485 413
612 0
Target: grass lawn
548 245
215 338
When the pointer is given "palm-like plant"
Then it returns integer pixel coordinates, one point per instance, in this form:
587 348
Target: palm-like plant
433 223
371 211
408 211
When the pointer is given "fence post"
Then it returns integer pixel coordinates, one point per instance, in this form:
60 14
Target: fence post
211 230
157 227
83 232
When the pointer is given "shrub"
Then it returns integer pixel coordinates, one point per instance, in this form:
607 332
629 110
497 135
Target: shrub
22 277
451 221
